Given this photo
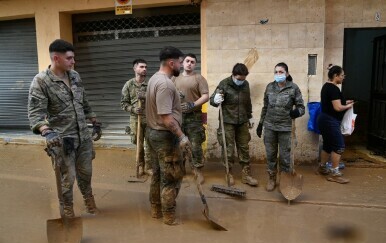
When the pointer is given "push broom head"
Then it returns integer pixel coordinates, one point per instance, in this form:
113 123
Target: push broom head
231 191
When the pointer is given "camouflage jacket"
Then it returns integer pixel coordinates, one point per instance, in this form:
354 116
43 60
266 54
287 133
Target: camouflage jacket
51 102
129 99
278 102
237 106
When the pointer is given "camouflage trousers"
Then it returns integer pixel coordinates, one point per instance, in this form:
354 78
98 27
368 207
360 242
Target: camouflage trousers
235 136
75 158
144 155
168 168
274 141
193 128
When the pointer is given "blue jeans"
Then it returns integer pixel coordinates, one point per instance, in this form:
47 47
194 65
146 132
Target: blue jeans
329 127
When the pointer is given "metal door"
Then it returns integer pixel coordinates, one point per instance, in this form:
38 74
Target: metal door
377 121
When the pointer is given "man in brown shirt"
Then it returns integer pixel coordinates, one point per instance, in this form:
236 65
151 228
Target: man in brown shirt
194 92
165 138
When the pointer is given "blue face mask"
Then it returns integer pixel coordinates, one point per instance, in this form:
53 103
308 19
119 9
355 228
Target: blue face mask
280 78
238 82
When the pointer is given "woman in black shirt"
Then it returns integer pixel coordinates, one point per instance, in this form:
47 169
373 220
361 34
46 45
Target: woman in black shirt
334 106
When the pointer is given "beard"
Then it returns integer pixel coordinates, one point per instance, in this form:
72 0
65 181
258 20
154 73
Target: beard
176 73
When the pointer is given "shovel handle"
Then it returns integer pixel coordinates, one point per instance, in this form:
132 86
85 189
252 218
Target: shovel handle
224 145
139 142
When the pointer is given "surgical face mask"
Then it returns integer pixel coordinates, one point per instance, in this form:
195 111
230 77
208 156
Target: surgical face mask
238 82
280 78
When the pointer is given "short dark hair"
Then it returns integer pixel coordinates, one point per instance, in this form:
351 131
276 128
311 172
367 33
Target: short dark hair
334 70
285 66
170 52
240 69
191 55
138 60
61 46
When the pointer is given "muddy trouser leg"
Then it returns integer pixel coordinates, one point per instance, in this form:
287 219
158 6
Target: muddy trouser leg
67 171
195 131
84 167
230 142
167 169
146 153
242 137
284 139
271 148
134 127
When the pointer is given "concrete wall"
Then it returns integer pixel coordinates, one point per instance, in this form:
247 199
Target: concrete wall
229 29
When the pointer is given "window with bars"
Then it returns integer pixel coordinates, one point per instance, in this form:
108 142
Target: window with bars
137 27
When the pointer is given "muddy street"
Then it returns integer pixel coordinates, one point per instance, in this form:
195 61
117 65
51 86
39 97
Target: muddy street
324 212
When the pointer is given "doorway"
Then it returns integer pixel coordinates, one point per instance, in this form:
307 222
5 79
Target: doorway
358 56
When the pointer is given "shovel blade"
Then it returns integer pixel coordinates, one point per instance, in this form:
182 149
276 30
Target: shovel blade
213 223
69 230
291 185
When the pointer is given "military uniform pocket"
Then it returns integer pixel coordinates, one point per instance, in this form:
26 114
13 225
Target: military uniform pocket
173 168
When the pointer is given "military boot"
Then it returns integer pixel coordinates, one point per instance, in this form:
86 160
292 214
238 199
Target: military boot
156 211
169 218
67 211
271 184
246 176
231 180
91 208
140 170
199 175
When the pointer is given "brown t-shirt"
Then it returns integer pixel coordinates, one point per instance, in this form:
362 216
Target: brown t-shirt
192 86
161 98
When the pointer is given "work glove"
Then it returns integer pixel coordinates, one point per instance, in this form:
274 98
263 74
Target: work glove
218 98
96 131
184 144
259 130
137 110
52 138
295 113
181 94
141 95
187 107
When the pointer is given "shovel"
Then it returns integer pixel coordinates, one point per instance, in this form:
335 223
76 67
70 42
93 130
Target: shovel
205 211
137 178
291 183
63 229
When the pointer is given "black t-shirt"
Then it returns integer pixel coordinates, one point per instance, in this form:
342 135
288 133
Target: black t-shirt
329 93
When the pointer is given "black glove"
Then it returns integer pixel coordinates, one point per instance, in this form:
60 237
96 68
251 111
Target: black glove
259 130
96 131
294 113
52 138
187 107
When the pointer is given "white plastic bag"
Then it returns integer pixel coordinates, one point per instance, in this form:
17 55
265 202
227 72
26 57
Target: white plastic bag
348 122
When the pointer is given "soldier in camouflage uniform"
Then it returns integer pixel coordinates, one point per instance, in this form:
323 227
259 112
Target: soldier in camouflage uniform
133 93
58 109
194 92
276 116
234 96
165 138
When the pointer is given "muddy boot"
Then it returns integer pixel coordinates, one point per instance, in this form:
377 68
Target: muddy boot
231 180
169 218
271 184
149 172
199 176
67 211
91 208
336 176
323 169
246 176
155 211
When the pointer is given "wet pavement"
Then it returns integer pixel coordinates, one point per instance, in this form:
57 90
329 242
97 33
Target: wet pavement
324 212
